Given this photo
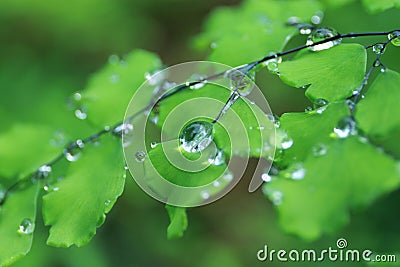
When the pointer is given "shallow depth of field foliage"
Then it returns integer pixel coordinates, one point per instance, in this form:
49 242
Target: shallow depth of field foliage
68 70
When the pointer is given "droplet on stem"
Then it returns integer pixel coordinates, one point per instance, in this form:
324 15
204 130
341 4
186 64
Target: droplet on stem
320 34
43 172
196 136
241 79
80 113
72 154
199 81
394 38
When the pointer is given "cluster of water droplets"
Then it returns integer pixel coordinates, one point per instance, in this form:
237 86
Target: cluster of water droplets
75 103
321 34
26 227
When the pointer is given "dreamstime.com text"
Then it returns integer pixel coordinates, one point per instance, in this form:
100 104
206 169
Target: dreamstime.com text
339 253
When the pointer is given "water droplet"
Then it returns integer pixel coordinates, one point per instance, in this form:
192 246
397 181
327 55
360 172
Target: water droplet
317 18
216 183
292 21
153 144
154 77
77 97
50 188
321 109
298 172
213 45
196 136
219 158
107 202
394 37
378 48
228 176
26 227
275 196
114 78
80 143
80 113
320 34
287 142
196 78
308 109
266 177
345 127
205 195
113 59
305 29
140 156
319 150
71 155
43 172
123 129
377 63
244 84
383 70
320 102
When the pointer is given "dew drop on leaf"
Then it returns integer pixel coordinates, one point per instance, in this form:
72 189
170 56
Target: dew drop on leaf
345 127
80 113
298 172
287 142
378 48
394 38
320 102
113 59
319 150
320 34
140 156
107 202
196 136
26 227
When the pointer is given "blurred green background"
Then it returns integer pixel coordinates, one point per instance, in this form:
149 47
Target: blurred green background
49 49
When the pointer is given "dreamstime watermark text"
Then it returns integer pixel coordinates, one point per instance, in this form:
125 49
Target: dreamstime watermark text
338 253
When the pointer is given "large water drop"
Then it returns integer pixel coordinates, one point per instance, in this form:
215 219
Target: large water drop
196 136
320 34
394 38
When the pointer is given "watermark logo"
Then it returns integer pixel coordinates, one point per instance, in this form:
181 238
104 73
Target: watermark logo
338 253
